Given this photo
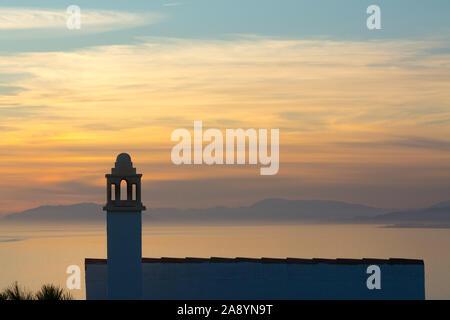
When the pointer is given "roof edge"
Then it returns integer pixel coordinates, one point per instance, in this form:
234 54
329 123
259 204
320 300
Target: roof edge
340 261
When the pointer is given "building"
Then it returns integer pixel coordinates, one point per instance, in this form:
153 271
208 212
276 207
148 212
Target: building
126 275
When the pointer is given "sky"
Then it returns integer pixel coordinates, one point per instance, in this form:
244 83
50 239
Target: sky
363 114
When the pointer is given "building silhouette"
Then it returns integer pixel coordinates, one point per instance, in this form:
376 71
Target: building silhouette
126 275
124 228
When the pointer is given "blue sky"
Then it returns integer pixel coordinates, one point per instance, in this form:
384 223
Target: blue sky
337 20
364 116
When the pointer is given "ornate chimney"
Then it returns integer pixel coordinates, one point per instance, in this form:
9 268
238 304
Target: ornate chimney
123 172
124 230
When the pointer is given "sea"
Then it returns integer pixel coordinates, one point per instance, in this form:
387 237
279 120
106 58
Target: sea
34 254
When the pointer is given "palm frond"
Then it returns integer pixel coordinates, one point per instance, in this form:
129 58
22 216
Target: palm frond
14 292
52 292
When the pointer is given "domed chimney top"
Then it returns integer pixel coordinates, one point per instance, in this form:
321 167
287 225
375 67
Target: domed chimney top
128 200
124 160
123 166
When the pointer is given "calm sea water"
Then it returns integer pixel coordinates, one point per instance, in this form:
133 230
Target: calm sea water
34 255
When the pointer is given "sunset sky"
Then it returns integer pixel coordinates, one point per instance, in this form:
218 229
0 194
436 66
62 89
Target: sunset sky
364 116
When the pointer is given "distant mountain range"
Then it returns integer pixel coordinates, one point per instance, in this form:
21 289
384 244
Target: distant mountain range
269 211
265 211
84 212
436 215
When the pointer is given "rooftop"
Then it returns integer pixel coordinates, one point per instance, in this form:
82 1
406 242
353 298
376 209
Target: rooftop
391 261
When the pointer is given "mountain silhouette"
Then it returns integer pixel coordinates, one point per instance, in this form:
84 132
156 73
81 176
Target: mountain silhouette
270 211
439 213
265 211
83 212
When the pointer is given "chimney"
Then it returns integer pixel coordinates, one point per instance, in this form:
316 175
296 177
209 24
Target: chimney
124 230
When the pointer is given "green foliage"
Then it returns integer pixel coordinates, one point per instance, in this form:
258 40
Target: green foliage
47 292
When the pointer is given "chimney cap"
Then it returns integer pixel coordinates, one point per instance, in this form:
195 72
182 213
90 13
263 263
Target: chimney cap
123 171
123 160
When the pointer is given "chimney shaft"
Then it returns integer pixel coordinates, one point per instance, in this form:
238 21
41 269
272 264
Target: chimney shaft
124 231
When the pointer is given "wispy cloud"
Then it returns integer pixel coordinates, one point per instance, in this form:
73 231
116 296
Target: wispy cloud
402 142
342 121
92 20
172 4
